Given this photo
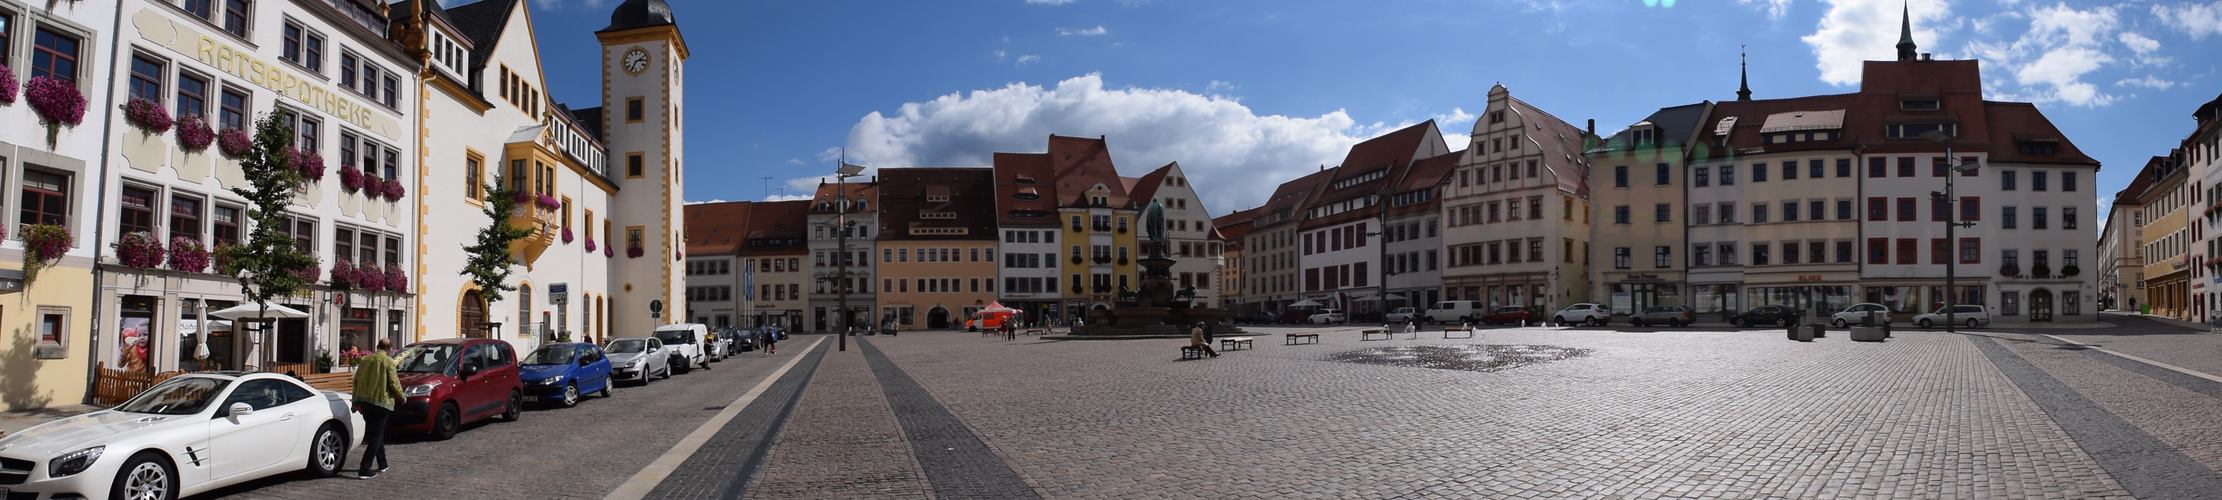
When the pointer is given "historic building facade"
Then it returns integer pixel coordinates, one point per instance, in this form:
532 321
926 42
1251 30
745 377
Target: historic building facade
2166 206
1189 238
1340 228
1032 238
1517 215
2121 250
937 246
1412 269
838 207
1647 193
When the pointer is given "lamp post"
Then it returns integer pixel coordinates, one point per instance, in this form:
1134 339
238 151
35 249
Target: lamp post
1951 223
841 230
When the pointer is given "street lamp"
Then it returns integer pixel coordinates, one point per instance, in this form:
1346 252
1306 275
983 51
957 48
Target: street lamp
841 222
1951 222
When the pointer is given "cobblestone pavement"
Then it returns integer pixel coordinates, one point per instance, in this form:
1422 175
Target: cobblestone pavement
2164 342
582 452
844 442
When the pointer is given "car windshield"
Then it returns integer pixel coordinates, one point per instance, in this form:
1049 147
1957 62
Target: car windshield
675 337
176 396
427 358
550 355
628 346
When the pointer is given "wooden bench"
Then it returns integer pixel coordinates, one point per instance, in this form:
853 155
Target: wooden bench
1292 338
336 381
1235 343
1468 332
1191 352
1367 334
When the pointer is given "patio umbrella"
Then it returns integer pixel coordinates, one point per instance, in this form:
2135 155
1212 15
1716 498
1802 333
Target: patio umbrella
998 308
251 311
1305 303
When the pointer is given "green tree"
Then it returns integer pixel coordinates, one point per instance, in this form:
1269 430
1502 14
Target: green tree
269 264
490 257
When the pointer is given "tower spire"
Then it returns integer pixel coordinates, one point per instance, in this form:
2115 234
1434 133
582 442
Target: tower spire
1743 88
1905 33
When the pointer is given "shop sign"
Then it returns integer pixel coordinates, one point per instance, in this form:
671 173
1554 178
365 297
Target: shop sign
1810 277
246 65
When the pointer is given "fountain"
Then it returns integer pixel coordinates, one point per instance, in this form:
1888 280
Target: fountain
1159 308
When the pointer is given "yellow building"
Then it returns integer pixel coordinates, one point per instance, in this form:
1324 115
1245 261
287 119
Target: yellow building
2167 237
936 245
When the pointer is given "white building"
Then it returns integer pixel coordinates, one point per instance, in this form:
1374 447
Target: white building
1189 238
827 216
1414 239
1512 234
643 61
1339 230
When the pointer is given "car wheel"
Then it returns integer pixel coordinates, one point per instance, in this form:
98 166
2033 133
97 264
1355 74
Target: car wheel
328 452
448 422
683 366
1971 322
516 407
1787 322
571 395
1838 322
667 371
1925 323
606 384
146 477
1637 322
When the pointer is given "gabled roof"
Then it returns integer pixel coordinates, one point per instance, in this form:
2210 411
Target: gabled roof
1081 163
1561 143
482 22
716 228
1390 154
590 121
1289 200
1144 189
2014 122
779 221
865 194
1676 126
2138 184
903 192
1745 119
1025 175
1234 226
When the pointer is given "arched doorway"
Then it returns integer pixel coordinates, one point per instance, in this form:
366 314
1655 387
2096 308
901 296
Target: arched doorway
470 321
937 318
2040 305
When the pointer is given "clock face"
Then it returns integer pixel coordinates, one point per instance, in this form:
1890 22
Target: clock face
636 61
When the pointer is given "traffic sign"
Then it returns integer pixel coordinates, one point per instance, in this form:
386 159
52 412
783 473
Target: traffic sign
656 306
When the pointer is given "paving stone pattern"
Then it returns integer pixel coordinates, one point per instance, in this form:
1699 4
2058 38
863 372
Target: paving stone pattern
2129 415
1471 357
1673 413
842 441
721 468
955 461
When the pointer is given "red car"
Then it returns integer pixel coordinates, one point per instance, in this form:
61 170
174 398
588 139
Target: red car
1511 316
452 382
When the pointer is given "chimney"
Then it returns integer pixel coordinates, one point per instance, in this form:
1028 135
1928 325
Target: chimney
1593 126
1925 56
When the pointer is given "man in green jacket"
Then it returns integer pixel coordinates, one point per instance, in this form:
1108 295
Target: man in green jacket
377 390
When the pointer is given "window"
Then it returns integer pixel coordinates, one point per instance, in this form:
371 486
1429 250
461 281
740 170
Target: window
1940 251
1620 176
1759 172
388 95
1759 253
1938 166
1728 254
2067 181
1701 254
192 95
1878 250
1843 209
1759 213
1905 166
235 17
2006 180
1790 252
185 217
1620 214
233 114
1621 258
1664 176
632 165
2067 217
1664 213
633 110
1875 167
1662 256
2036 217
54 56
1878 209
1843 167
1701 215
2036 180
474 179
1907 251
1703 177
1789 170
1938 208
226 225
633 239
1844 252
1535 207
1905 209
2006 218
45 199
1971 250
202 8
1728 213
1789 211
137 211
146 78
1728 175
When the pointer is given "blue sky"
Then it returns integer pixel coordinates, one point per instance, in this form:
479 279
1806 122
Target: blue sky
1246 94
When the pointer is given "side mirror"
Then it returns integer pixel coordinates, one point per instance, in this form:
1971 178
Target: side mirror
469 370
585 362
239 410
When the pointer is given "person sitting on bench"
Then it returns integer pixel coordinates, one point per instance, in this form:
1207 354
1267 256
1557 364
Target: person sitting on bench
1196 340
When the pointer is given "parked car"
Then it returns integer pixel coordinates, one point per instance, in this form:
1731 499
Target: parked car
233 426
742 340
1970 315
1453 311
1858 312
1401 315
1326 316
1510 315
683 341
1671 315
638 358
559 373
452 382
716 348
1766 315
1583 313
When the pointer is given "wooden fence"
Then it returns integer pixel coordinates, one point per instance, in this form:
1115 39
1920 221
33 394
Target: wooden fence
111 386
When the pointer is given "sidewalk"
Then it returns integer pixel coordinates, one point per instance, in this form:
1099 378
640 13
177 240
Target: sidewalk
2156 318
12 421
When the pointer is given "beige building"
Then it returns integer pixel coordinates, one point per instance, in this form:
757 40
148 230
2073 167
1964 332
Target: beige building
1647 195
2166 206
2121 250
1516 210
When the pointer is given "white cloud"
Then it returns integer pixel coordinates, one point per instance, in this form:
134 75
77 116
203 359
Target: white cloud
1028 59
712 200
2149 81
1236 155
2062 47
1049 2
1848 35
1775 8
2147 50
2196 20
1098 30
1455 126
797 161
1000 55
787 197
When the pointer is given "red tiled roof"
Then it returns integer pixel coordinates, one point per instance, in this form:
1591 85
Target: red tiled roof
1144 189
715 228
1426 174
781 221
971 192
1561 143
1080 163
1393 152
1013 168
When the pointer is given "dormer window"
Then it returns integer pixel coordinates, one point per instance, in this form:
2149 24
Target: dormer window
1914 130
1918 105
1643 136
937 198
2039 147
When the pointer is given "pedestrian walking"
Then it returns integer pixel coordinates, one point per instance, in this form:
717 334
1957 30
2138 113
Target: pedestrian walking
377 389
771 342
1196 340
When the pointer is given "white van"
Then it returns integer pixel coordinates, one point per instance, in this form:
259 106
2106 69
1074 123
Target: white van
684 340
1453 311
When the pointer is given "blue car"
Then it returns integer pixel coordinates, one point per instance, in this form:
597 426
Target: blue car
559 373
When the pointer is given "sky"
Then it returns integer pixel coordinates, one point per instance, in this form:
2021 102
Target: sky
1246 94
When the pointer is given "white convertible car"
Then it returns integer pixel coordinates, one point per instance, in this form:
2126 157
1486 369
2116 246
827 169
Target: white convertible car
177 440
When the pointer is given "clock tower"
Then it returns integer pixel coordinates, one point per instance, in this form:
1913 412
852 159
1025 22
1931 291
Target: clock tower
643 62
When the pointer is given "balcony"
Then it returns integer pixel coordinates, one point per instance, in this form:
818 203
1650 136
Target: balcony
542 222
1103 259
1102 227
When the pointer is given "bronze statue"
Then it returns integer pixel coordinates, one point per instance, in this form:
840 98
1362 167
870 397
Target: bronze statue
1153 225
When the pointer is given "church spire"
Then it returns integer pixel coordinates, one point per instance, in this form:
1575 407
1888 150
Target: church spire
1743 88
1905 34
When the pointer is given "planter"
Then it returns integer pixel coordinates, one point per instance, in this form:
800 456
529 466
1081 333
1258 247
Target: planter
2009 271
2070 271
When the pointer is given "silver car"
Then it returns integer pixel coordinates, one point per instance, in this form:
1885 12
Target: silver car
638 358
1970 315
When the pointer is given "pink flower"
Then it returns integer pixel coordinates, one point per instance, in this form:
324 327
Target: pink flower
549 202
7 85
193 133
633 253
139 249
147 115
235 142
609 252
589 244
187 254
396 281
57 101
393 190
343 274
350 179
566 235
307 163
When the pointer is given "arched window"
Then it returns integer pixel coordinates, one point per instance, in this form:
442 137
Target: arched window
471 320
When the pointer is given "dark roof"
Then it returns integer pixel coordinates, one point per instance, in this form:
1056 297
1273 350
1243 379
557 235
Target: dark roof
1390 153
1676 126
782 222
2138 184
483 22
590 120
1426 174
2014 122
1752 115
716 228
863 193
1080 163
635 14
903 192
1561 143
1291 197
1234 226
1026 175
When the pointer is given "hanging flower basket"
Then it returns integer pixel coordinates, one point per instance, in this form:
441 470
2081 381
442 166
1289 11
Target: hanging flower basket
147 115
2009 270
43 245
234 142
372 279
393 190
309 164
187 254
520 197
633 253
2041 272
678 256
350 179
548 202
566 235
2070 271
590 245
396 281
193 133
57 101
7 84
140 249
609 252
